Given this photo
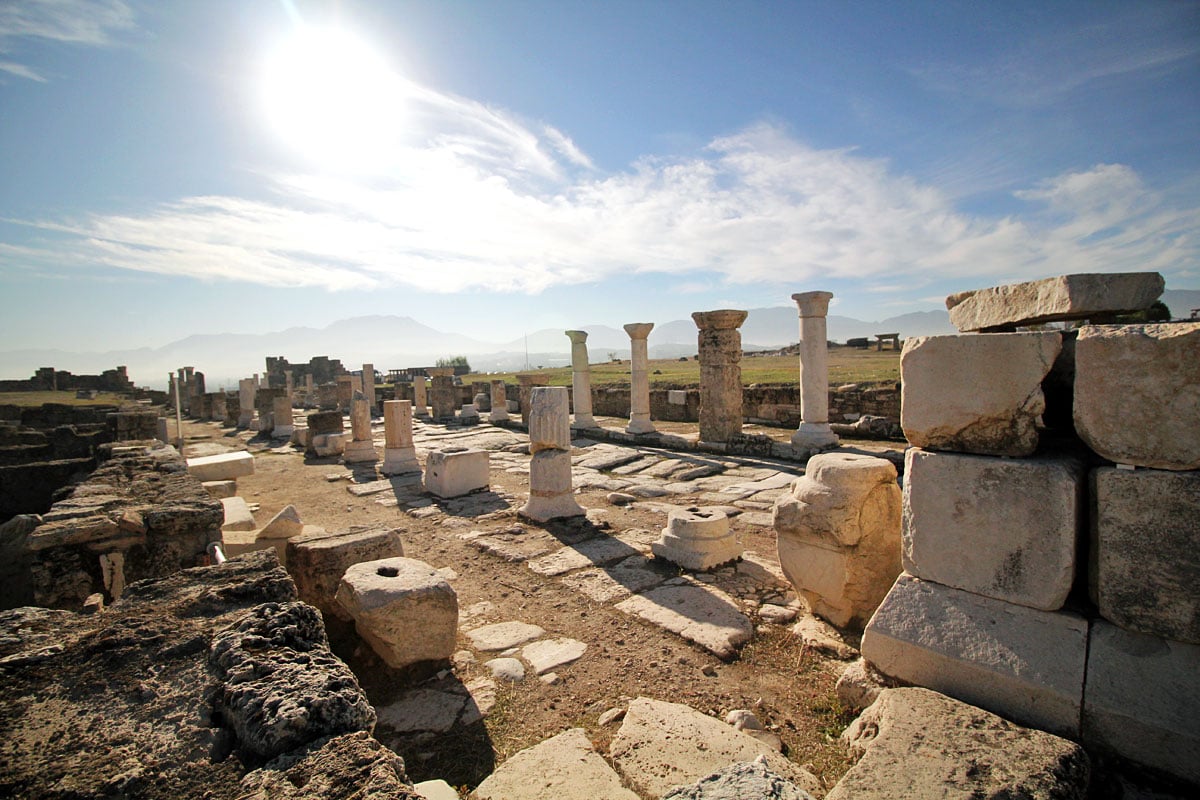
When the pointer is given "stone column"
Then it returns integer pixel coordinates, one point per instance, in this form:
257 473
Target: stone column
639 389
525 384
814 432
720 373
247 388
345 392
581 380
368 382
443 397
282 411
361 448
289 382
309 383
399 454
183 396
499 402
420 400
218 406
550 493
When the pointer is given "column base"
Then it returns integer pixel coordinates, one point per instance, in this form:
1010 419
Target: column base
498 415
399 461
583 422
640 426
544 509
359 452
815 435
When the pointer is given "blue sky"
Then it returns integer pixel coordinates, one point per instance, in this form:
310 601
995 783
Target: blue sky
491 168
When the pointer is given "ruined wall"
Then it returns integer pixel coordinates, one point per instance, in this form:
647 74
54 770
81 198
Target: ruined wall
50 379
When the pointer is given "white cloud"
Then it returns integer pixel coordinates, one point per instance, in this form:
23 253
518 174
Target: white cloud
21 71
80 22
488 202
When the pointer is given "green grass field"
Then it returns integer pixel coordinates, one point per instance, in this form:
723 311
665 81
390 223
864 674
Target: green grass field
845 366
27 399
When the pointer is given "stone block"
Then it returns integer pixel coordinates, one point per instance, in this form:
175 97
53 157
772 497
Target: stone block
1145 554
328 444
1143 700
283 525
745 780
976 394
220 489
455 471
359 451
1065 297
697 538
913 742
1024 664
222 467
318 560
564 767
838 532
403 608
237 515
1137 393
1003 528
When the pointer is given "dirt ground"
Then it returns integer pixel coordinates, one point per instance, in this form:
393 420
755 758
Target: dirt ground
789 687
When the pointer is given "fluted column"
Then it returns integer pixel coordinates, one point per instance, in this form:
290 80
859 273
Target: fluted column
639 378
550 492
720 349
814 431
581 380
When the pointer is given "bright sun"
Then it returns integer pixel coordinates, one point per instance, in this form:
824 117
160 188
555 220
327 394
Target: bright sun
331 98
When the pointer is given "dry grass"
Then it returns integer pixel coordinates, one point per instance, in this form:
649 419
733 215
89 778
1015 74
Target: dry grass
845 366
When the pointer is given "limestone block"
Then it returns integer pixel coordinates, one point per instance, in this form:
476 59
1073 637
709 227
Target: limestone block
283 525
838 533
1145 570
1137 393
222 467
220 489
1143 700
918 743
697 538
564 767
455 471
663 745
550 493
975 394
436 789
1024 664
399 461
741 781
329 444
325 422
1065 297
701 614
316 561
237 515
1003 528
403 608
359 451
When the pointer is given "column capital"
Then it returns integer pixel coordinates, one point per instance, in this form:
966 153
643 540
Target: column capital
576 337
813 304
639 330
722 319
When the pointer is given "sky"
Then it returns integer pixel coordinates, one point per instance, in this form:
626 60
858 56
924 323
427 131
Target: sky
493 168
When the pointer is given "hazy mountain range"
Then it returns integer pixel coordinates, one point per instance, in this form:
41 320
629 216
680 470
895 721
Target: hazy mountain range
395 342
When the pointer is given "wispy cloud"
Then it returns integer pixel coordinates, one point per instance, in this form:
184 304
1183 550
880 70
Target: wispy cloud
486 201
79 22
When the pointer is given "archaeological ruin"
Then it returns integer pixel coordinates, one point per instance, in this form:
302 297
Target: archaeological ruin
980 580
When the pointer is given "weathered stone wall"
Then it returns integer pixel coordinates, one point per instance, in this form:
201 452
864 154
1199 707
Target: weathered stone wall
50 379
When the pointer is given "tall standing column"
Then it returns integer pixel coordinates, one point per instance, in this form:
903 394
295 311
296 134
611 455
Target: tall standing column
814 432
499 402
444 395
720 351
289 382
368 382
420 397
399 453
550 492
639 379
581 380
247 388
361 447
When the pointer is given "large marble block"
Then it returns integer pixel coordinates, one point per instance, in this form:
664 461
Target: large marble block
318 560
1143 700
1021 663
1145 554
976 393
221 467
1000 527
1137 393
838 533
403 608
455 471
1065 297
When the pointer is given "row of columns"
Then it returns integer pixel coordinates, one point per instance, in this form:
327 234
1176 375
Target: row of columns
720 352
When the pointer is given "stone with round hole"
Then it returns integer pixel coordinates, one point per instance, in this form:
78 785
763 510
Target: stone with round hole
403 608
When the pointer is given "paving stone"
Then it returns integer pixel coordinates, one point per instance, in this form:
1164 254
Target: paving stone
636 466
515 547
562 768
503 635
917 743
664 745
700 614
506 669
746 780
481 701
609 458
593 552
617 582
549 654
423 710
758 519
436 790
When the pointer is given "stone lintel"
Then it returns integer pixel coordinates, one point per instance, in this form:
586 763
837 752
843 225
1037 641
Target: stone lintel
1064 297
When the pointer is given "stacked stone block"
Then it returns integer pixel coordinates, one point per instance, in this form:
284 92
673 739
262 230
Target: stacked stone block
991 608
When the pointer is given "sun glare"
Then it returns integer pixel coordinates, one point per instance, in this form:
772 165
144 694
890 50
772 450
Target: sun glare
332 99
